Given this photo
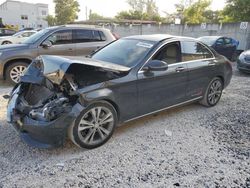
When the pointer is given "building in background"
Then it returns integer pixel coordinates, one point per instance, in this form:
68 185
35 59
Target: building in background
24 15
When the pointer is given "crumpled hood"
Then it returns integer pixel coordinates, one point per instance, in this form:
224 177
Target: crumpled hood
55 67
13 47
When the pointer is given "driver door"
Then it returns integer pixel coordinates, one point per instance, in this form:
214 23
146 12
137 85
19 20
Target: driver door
161 89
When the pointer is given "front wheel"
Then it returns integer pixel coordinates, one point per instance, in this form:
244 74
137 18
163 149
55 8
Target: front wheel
94 126
213 93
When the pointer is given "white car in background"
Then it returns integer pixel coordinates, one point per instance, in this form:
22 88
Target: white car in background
16 38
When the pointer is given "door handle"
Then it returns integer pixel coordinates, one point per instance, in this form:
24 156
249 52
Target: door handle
179 69
70 49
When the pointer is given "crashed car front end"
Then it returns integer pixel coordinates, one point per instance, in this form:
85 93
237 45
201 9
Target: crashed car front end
47 99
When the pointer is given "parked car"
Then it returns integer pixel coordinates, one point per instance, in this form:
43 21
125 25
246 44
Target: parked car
16 38
223 45
6 32
61 40
129 78
243 62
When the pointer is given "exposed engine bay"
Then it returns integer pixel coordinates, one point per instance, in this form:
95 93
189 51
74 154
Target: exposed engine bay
48 96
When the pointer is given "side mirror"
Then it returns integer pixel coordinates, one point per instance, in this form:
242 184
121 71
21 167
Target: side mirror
46 44
155 65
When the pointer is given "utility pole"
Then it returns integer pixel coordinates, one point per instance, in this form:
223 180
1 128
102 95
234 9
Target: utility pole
86 12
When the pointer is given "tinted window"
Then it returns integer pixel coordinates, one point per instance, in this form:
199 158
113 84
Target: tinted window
61 37
96 36
83 35
220 41
103 38
126 52
169 54
194 51
228 41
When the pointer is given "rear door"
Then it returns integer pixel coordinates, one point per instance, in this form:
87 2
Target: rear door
87 41
62 44
201 67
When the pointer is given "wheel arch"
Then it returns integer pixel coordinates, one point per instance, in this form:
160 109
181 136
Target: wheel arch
104 94
10 62
222 79
6 41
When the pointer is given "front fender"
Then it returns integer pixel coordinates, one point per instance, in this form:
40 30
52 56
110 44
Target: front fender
96 95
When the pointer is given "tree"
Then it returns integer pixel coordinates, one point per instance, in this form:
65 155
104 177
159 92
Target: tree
195 13
212 16
95 16
141 10
237 11
51 20
66 11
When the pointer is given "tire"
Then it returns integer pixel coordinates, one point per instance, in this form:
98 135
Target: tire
213 93
93 134
14 71
6 42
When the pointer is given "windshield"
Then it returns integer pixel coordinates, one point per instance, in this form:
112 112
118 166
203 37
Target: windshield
126 52
34 38
208 40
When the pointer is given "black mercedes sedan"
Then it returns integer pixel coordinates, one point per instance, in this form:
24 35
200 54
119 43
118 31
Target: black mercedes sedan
86 98
243 62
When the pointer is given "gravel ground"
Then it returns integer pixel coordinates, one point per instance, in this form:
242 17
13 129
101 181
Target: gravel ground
190 146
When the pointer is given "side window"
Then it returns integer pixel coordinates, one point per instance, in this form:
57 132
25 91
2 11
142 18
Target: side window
96 36
194 51
103 38
82 35
219 42
228 41
61 37
169 53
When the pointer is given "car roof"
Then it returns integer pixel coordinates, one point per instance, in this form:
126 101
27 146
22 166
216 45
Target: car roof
157 37
77 26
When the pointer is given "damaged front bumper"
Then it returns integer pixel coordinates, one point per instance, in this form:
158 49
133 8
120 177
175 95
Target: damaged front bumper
41 134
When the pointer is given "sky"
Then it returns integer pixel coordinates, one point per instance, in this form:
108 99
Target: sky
110 8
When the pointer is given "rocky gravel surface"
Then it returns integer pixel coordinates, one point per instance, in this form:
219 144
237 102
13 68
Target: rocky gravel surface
189 146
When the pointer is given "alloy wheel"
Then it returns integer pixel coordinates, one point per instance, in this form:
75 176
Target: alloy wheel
215 92
16 72
96 125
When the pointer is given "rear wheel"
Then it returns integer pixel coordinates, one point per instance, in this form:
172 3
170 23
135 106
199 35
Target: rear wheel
213 93
14 71
94 126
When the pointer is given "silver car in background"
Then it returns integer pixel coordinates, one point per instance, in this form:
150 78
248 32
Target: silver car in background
67 40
